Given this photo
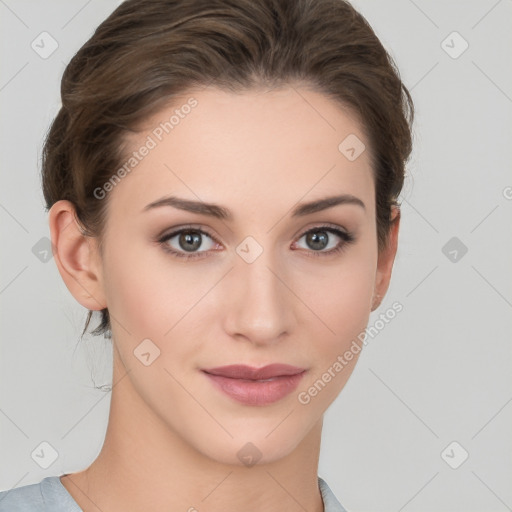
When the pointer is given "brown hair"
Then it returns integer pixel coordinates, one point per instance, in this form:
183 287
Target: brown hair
148 51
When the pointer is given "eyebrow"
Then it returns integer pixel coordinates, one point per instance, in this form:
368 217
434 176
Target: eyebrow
219 212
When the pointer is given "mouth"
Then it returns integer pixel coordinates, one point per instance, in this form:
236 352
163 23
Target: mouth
256 386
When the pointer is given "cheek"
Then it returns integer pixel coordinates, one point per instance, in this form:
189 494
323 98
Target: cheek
339 296
149 292
150 296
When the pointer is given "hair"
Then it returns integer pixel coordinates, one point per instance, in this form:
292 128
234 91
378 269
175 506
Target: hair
149 51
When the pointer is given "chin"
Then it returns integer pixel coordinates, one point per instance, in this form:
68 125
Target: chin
250 447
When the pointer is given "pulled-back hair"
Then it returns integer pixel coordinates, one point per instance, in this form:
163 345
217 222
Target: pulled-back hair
149 51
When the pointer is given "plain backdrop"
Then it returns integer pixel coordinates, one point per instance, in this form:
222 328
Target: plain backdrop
424 422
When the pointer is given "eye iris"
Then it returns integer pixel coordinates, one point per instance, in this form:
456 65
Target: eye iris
190 237
317 239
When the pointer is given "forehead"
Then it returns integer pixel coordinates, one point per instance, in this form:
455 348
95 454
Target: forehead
260 149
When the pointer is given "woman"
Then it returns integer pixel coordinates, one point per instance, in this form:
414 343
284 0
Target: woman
222 184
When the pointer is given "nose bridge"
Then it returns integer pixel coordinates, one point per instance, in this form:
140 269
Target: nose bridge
260 306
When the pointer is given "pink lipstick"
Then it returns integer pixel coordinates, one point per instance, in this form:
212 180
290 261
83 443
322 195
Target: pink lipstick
256 386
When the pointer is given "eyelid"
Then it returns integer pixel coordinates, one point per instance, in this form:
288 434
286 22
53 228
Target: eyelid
319 225
169 233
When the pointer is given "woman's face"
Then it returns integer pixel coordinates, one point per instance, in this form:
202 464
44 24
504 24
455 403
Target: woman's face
267 280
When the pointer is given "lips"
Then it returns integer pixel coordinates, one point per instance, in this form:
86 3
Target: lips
239 371
255 386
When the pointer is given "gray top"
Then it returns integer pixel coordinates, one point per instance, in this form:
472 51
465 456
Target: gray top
50 495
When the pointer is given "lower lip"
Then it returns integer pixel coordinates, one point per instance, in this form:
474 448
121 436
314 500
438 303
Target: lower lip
251 392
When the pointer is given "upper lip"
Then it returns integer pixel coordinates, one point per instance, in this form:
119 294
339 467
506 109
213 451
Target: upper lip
241 371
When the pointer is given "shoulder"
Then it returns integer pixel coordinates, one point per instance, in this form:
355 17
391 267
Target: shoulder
47 495
21 499
331 503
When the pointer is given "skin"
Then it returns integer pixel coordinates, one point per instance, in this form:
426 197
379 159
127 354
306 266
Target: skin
172 438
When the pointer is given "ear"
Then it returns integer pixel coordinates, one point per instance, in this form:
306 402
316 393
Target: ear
77 256
385 260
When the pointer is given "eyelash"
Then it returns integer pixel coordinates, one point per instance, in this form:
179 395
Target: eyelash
347 238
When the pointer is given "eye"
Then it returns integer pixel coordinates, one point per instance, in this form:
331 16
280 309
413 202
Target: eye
324 237
191 242
186 242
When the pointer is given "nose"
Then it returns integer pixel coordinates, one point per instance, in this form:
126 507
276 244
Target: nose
261 307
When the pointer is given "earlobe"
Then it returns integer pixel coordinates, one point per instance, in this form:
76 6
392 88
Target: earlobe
386 259
76 256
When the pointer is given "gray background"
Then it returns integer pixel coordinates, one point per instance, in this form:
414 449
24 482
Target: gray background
439 372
